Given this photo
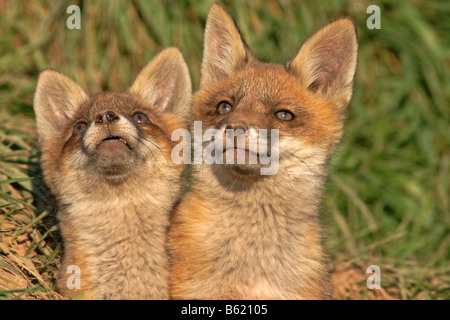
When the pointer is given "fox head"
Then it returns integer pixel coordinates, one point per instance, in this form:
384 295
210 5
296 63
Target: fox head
304 100
111 138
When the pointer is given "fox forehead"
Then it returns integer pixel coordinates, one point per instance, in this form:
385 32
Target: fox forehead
258 85
268 83
271 84
122 103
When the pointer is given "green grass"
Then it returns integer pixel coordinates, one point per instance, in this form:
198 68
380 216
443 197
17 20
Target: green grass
387 199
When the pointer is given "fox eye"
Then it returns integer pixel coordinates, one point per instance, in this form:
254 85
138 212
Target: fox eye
140 118
80 127
284 115
223 108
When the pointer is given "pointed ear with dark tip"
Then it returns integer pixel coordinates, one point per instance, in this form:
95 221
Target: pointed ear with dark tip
326 63
165 82
224 49
56 100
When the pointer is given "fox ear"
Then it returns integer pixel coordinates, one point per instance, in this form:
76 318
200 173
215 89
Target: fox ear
165 82
55 101
224 49
326 63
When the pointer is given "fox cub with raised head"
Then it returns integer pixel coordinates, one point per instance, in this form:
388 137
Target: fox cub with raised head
106 159
240 234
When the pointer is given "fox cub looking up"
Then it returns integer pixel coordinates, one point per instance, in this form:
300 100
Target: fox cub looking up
238 234
107 160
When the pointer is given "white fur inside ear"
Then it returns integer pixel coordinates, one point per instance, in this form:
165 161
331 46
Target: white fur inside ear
165 82
56 100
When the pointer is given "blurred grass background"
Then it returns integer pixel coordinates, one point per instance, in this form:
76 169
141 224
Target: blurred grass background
387 199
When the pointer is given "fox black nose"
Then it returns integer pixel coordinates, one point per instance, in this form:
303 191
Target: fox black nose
110 116
237 126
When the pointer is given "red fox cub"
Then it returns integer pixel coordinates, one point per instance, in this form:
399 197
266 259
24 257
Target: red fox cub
107 161
241 234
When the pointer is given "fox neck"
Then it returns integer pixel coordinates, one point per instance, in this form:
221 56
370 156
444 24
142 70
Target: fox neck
122 236
275 219
296 191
